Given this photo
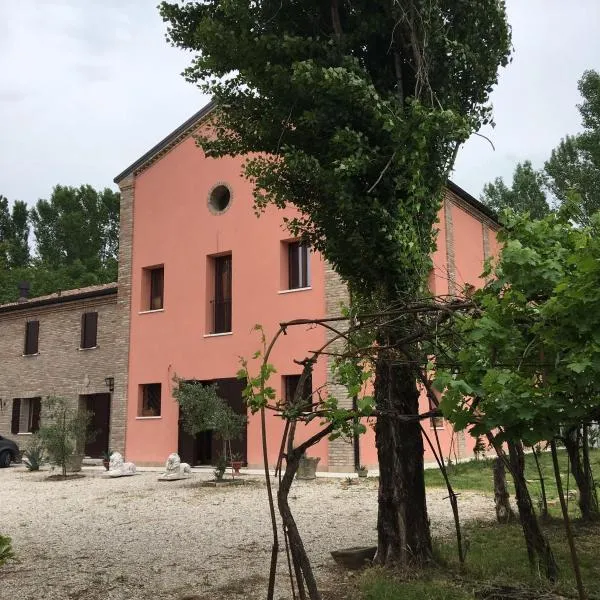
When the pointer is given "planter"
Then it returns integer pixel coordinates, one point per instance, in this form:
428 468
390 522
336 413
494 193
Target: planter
355 558
236 465
307 468
74 463
106 464
362 472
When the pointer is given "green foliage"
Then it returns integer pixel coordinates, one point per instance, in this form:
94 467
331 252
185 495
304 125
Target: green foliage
65 431
203 410
529 358
355 126
77 224
527 193
14 233
6 551
76 233
574 166
34 454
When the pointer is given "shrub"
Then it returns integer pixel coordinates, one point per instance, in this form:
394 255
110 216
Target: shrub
34 456
6 552
66 432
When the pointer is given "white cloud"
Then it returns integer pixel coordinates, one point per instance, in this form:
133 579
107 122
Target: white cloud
88 87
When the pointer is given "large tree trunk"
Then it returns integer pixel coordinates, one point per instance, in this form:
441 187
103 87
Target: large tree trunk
588 502
402 522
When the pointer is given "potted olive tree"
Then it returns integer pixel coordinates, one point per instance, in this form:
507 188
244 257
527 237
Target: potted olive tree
65 433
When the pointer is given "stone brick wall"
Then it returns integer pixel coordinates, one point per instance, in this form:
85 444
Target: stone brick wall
341 452
60 368
119 417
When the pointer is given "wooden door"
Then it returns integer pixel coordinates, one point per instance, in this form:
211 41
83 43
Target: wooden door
99 406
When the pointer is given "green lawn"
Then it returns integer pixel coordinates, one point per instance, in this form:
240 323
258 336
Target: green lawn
496 558
477 475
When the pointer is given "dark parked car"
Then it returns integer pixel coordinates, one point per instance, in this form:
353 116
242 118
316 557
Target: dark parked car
9 452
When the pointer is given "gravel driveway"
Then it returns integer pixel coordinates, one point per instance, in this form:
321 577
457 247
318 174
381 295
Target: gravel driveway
136 538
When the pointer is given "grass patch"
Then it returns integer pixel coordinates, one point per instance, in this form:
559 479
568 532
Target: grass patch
376 584
477 474
496 559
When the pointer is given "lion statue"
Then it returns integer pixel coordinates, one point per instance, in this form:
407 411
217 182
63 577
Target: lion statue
175 469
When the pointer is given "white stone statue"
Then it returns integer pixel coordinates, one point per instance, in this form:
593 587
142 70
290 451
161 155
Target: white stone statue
175 469
118 468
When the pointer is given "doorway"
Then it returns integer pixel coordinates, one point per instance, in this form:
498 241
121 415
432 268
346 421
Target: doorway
99 407
204 448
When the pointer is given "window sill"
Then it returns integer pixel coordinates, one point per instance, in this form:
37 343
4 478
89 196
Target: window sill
147 418
29 355
147 312
25 433
84 349
303 289
211 335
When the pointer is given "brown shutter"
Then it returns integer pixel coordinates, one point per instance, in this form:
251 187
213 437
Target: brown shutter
157 285
293 266
32 331
16 413
304 258
89 329
36 409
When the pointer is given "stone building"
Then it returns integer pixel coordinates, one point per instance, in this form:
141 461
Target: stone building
70 345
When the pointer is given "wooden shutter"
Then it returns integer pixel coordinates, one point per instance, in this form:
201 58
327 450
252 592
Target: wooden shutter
293 266
89 329
36 409
16 413
32 331
157 284
223 291
304 265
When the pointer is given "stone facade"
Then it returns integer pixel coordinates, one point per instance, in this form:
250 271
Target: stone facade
61 367
341 451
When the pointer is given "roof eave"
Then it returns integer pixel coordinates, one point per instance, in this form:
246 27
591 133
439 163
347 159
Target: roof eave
165 143
33 303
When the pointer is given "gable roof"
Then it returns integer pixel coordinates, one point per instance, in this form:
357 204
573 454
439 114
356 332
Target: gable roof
175 136
186 128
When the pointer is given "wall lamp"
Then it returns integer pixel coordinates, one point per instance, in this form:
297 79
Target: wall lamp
110 383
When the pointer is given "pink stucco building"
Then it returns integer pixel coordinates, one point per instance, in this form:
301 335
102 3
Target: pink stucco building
201 270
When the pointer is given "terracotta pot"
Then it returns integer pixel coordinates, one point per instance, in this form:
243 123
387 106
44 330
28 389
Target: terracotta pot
106 464
236 466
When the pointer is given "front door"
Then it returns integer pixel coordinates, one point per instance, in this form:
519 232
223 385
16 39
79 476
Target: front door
99 407
204 448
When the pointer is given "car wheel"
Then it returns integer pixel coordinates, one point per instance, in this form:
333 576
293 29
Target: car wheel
4 459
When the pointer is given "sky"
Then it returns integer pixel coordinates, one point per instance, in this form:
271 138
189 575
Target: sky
88 86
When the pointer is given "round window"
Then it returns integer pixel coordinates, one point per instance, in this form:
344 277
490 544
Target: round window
219 199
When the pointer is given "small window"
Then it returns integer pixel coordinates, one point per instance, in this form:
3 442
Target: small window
89 330
298 265
32 336
219 199
153 288
150 400
290 385
221 303
26 415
